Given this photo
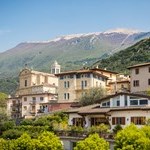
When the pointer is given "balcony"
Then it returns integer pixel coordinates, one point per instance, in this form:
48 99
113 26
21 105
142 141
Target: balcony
82 134
16 105
15 111
40 111
33 102
32 112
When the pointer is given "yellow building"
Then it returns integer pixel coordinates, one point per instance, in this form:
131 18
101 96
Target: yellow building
35 92
73 84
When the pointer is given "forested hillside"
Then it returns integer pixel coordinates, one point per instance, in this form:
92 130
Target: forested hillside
138 53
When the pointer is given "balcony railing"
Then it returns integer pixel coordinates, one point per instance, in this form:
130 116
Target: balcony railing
82 134
33 102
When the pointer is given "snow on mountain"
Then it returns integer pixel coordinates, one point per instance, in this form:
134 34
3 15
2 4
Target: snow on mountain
106 33
122 30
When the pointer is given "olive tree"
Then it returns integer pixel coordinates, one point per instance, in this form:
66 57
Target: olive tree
92 95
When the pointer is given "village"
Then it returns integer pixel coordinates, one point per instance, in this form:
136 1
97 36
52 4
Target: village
127 100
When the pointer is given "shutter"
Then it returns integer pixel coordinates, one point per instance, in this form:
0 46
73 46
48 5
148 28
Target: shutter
123 120
132 119
113 120
73 121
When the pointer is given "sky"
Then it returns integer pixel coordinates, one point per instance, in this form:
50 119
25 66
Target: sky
40 20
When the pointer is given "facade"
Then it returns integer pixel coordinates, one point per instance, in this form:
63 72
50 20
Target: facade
36 92
140 77
73 84
14 107
32 82
121 108
122 84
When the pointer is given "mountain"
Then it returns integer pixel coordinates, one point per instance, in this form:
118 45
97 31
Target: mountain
70 51
138 53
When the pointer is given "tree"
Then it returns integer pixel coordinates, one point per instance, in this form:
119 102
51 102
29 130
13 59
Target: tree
92 95
3 101
131 138
49 141
93 142
46 141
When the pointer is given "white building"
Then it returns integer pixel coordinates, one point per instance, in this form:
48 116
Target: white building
121 108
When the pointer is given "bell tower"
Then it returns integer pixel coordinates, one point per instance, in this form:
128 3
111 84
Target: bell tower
55 68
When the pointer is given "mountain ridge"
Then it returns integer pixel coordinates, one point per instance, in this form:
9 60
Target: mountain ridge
70 50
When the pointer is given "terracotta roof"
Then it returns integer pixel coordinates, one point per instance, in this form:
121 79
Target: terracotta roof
37 72
99 69
139 65
122 81
96 71
76 110
46 93
100 110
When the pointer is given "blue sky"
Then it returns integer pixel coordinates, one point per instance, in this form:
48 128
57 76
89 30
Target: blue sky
39 20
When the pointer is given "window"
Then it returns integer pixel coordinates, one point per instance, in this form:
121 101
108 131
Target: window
118 103
148 81
25 107
82 84
108 103
34 98
136 83
61 77
41 98
137 71
68 84
65 84
25 83
66 96
78 76
126 101
133 102
98 121
25 99
78 122
85 83
71 76
118 120
57 71
88 75
104 104
143 102
138 120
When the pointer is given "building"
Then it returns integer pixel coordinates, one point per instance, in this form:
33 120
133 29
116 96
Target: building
14 107
73 84
120 108
36 92
122 84
140 77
